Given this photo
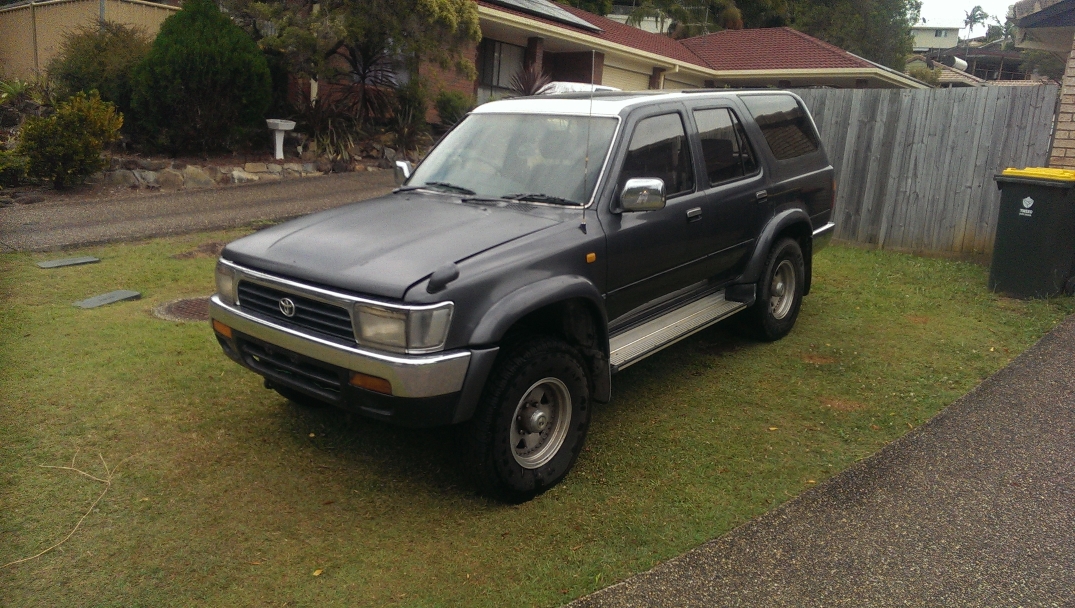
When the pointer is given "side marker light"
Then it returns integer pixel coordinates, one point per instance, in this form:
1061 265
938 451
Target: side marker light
591 258
221 329
371 383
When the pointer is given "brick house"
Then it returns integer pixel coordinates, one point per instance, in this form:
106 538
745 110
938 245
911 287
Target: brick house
573 45
1049 25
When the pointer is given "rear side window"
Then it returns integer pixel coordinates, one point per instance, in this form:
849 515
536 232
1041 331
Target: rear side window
659 150
786 127
725 149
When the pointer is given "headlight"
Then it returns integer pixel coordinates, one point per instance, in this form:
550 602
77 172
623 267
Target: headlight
419 330
225 283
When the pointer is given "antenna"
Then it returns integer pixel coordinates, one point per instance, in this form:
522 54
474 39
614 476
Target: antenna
589 122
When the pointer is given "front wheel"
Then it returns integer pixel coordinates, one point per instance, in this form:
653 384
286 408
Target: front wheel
532 421
780 291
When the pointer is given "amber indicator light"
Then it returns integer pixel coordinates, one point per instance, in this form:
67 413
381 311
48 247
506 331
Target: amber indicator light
591 258
371 383
221 329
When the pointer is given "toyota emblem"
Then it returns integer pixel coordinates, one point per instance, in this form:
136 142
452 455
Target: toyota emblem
287 306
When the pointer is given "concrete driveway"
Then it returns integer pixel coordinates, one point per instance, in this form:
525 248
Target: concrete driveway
70 223
975 508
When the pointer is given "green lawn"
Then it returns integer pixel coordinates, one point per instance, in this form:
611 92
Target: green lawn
225 494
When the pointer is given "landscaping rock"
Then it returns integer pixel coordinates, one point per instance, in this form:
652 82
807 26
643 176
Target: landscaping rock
149 164
217 174
270 177
293 167
274 168
324 165
170 179
147 178
309 154
131 164
256 168
291 173
340 166
194 177
390 154
309 167
121 177
179 165
6 202
384 163
114 163
242 177
372 168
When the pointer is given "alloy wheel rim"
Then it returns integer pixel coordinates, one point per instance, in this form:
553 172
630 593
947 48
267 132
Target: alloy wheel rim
782 290
540 422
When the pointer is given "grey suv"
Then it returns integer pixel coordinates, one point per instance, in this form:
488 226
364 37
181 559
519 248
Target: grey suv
543 245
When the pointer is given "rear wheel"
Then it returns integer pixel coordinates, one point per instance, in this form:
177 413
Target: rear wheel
780 291
532 421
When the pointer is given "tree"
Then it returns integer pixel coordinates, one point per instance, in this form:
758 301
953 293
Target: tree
1044 63
99 57
204 84
975 17
364 43
879 30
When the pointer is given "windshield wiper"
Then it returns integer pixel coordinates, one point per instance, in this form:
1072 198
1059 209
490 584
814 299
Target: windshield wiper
542 198
449 187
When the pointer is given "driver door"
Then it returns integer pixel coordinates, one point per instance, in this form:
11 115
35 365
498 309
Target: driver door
649 252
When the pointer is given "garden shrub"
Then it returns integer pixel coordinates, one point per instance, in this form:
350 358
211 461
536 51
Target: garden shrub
204 85
99 57
12 168
452 106
409 124
66 146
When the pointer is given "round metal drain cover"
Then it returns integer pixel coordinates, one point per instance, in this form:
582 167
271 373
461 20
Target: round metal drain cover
186 309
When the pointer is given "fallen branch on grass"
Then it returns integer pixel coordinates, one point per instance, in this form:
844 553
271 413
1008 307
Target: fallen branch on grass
109 474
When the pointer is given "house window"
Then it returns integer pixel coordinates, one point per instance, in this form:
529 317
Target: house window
498 62
940 34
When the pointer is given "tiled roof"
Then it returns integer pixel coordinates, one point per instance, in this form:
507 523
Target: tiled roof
617 33
778 48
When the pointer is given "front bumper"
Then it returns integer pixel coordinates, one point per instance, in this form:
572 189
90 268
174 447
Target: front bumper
410 376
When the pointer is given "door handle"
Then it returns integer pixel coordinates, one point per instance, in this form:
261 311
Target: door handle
762 195
694 214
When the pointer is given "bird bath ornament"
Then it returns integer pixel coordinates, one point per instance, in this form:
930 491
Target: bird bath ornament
279 126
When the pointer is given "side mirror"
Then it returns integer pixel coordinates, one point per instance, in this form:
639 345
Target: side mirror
404 168
642 195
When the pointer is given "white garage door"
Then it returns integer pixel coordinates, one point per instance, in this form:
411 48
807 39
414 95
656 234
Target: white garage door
624 79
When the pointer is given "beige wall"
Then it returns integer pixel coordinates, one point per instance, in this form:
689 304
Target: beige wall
31 35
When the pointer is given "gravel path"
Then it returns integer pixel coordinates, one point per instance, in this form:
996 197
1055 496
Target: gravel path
975 508
62 224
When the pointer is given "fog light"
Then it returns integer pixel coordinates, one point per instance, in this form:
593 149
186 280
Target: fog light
371 383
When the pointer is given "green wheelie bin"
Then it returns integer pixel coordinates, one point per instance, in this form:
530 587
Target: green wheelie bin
1034 252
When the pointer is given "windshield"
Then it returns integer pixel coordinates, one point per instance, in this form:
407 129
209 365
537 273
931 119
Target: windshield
525 156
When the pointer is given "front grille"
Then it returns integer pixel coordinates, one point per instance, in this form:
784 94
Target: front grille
291 369
311 314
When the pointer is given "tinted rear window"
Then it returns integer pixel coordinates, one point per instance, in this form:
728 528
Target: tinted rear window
786 127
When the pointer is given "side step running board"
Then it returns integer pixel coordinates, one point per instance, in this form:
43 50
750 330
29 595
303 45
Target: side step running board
639 342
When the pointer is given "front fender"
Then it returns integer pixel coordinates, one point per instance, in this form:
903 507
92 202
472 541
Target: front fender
501 316
780 221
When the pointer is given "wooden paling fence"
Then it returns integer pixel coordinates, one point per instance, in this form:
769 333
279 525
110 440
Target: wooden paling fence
914 169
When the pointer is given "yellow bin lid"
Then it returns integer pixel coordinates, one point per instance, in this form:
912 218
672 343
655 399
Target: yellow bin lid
1058 175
